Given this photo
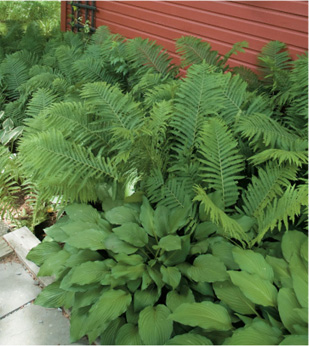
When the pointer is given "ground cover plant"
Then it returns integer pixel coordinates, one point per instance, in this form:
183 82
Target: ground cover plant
185 199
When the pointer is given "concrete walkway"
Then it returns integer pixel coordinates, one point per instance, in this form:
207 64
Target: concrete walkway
22 322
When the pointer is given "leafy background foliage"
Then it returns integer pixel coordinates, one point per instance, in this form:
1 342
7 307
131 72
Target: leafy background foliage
185 198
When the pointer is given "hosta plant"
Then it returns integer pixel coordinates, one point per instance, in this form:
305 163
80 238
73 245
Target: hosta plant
134 274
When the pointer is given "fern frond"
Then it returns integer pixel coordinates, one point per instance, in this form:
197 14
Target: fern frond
282 211
231 228
295 157
264 188
221 164
261 128
42 80
64 168
162 92
66 56
274 61
248 76
196 97
41 100
194 50
145 55
237 47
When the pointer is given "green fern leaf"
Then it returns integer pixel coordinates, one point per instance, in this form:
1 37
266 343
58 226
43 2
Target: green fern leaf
220 159
41 100
264 188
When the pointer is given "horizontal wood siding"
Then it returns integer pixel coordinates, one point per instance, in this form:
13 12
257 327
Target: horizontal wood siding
221 23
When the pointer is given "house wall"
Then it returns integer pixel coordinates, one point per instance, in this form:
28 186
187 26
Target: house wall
221 23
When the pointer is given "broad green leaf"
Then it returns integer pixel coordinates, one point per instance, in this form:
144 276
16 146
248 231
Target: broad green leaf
146 217
110 305
128 272
161 221
259 291
82 212
133 285
292 242
128 335
200 247
169 243
78 326
295 340
131 315
204 288
253 263
223 250
175 298
287 303
207 268
145 298
299 275
189 339
73 227
204 229
280 268
132 234
113 243
68 285
121 215
55 264
90 272
92 239
171 276
83 256
154 326
54 297
56 233
156 276
206 315
233 297
42 251
303 314
108 337
146 280
83 299
131 260
178 218
178 256
257 333
304 250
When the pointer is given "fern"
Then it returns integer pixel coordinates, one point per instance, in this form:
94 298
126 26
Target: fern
221 163
264 188
282 211
230 227
41 100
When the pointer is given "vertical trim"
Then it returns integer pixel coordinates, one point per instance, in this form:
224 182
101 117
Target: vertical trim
63 24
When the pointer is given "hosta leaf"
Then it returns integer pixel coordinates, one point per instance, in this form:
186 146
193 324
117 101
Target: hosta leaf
175 298
146 216
108 337
83 299
83 256
82 212
128 272
54 297
145 298
42 251
223 250
132 234
78 326
121 215
291 243
161 221
189 339
233 297
257 333
287 303
113 243
89 272
171 276
131 260
304 250
207 268
303 314
55 264
154 326
156 276
178 256
200 247
259 291
206 315
294 340
299 275
169 243
110 305
280 268
128 335
253 263
92 239
56 233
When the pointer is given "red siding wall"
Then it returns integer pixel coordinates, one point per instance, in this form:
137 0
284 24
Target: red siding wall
221 23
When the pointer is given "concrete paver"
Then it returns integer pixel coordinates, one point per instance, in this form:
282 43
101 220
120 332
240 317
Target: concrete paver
17 287
4 228
35 325
5 250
